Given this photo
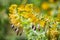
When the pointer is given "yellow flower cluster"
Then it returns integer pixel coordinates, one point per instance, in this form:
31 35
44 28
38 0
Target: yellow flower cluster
12 8
27 12
35 16
14 18
27 8
42 23
52 33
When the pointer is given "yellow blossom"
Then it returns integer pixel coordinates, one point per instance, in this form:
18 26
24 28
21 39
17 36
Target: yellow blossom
21 8
34 20
12 8
29 7
25 15
45 6
53 33
42 23
31 15
14 19
12 16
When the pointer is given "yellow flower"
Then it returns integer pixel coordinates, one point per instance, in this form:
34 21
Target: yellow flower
42 23
31 15
45 6
25 15
25 8
53 33
34 20
12 8
21 8
29 7
14 19
11 15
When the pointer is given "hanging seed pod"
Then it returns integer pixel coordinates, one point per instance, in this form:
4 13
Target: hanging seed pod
12 26
20 33
20 30
32 26
39 27
17 30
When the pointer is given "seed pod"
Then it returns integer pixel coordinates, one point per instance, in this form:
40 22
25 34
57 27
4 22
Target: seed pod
17 30
20 33
12 26
39 27
32 26
20 30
